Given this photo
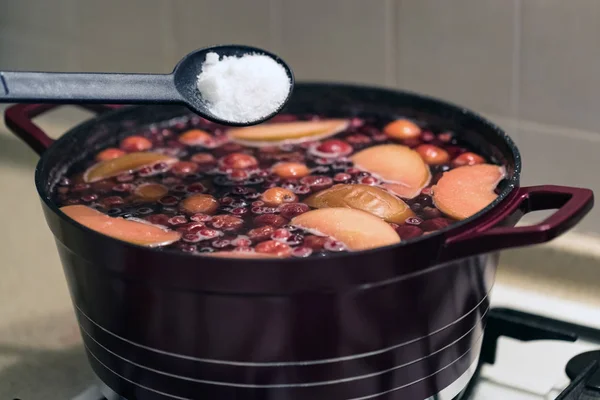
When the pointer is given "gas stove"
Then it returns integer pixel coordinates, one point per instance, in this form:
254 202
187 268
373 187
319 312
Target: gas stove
524 356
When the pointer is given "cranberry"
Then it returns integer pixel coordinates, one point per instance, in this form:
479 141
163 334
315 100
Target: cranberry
238 175
145 171
358 139
334 147
80 187
430 212
187 248
252 196
380 137
135 143
72 201
427 191
182 168
468 159
220 243
433 155
290 210
270 219
317 182
239 211
445 137
342 177
261 233
258 203
207 233
281 234
126 177
111 201
315 242
333 245
414 220
206 250
290 170
193 227
353 171
241 190
200 217
196 188
241 241
192 237
88 198
203 158
179 188
435 224
177 220
295 239
455 151
158 219
302 189
427 136
302 252
168 200
274 247
408 231
171 180
123 187
226 222
411 142
369 180
230 147
238 161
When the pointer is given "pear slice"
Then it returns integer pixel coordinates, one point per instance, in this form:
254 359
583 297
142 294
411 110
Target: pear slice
464 191
140 233
127 163
356 229
401 168
371 199
287 132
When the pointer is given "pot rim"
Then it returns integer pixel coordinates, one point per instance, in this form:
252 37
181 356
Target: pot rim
511 182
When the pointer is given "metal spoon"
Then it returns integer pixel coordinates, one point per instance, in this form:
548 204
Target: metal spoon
178 87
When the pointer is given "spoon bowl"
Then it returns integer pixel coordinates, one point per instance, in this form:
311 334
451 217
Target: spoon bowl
179 87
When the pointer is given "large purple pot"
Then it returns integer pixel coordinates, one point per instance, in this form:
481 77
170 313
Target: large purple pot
399 322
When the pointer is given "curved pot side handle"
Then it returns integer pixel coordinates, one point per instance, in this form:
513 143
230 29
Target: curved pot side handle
19 119
571 204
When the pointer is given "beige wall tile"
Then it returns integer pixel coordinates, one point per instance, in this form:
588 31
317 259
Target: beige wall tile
338 40
459 50
560 62
40 17
202 23
563 158
31 52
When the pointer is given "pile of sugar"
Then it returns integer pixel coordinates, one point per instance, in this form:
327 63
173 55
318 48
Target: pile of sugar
243 89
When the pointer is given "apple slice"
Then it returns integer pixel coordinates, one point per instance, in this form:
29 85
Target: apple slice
371 199
286 132
140 233
464 191
127 163
401 168
356 229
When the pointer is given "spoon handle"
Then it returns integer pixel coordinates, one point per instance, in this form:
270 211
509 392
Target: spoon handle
59 87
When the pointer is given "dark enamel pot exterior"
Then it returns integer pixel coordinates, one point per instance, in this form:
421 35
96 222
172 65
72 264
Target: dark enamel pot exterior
400 322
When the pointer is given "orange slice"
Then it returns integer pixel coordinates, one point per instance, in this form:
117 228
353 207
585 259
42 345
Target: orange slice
143 234
371 199
464 191
127 163
356 229
401 168
287 132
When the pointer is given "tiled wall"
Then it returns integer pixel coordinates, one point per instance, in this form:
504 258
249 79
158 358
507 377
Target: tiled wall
530 65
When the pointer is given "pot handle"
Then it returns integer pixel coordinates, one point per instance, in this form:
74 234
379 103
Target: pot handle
572 205
19 119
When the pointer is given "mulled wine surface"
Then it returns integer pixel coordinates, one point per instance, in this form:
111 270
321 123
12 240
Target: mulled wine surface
296 186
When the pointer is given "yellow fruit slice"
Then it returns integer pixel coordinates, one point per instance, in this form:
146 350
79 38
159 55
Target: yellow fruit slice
140 233
464 191
371 199
127 163
401 168
356 229
287 132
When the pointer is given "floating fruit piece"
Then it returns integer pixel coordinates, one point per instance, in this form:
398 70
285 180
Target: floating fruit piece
143 234
276 196
290 170
241 254
127 163
333 148
402 129
151 191
135 143
195 137
238 160
274 247
109 154
371 199
403 169
287 132
433 155
356 229
468 158
203 158
199 203
464 191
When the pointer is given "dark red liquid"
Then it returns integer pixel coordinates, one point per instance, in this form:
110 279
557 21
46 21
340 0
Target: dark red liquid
242 222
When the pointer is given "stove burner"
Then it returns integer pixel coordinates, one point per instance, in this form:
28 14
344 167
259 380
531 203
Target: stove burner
578 364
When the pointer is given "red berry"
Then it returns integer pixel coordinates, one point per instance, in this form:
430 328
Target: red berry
334 147
317 182
369 180
290 210
158 219
302 252
177 220
196 188
281 234
333 245
408 231
315 242
182 168
435 224
199 217
238 161
261 233
274 247
342 177
358 139
414 221
135 143
226 222
270 219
